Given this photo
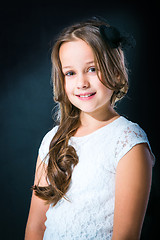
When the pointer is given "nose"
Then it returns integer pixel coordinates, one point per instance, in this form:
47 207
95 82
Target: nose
82 82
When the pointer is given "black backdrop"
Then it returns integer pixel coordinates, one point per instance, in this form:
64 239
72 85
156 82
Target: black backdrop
27 30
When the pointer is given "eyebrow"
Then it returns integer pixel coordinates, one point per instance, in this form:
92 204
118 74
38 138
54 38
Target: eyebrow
88 63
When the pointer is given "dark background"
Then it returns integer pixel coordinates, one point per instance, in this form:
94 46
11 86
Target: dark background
27 30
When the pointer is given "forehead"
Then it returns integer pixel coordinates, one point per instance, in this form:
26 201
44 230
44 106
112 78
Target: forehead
77 50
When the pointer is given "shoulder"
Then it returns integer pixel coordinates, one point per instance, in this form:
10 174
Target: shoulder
129 134
44 147
131 131
49 135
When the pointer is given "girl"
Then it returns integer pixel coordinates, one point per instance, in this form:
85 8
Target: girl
94 169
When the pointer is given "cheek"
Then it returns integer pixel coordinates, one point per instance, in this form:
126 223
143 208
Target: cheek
68 86
105 90
109 92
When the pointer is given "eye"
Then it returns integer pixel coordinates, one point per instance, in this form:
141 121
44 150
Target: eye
92 69
70 73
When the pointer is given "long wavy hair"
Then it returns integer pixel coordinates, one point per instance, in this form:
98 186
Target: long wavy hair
62 156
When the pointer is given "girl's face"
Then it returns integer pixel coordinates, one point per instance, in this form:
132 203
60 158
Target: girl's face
82 85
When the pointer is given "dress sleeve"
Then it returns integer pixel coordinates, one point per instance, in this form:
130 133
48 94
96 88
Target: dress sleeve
129 137
44 146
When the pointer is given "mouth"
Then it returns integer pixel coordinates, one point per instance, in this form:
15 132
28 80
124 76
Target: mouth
86 96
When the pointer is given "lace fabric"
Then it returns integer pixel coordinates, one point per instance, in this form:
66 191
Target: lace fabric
131 136
89 212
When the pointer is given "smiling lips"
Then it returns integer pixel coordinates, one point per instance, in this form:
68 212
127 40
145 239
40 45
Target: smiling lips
86 96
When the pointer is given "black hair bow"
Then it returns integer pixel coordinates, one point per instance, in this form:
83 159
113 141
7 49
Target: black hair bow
115 39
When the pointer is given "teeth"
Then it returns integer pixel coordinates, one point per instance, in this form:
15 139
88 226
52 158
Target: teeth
83 96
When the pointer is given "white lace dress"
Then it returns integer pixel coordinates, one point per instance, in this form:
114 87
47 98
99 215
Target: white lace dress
89 213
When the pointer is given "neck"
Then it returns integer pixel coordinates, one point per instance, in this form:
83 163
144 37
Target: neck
98 118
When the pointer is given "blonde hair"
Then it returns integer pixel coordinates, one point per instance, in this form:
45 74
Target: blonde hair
110 61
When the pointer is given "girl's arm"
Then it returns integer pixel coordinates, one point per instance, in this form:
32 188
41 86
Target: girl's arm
37 215
133 182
